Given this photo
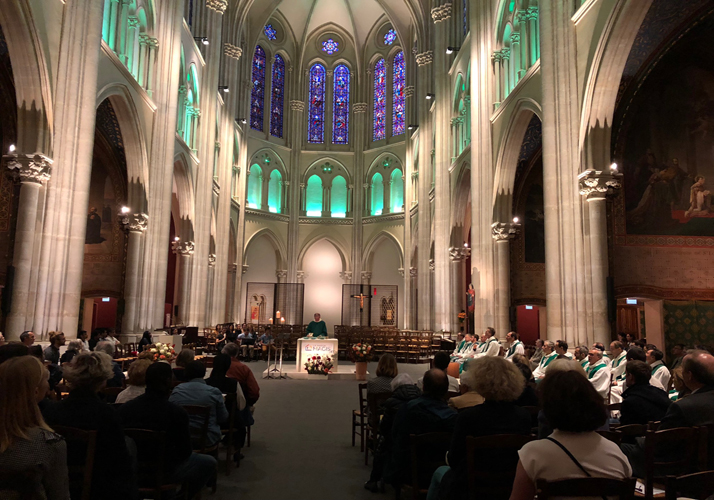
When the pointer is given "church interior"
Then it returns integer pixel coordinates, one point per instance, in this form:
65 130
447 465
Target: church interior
418 167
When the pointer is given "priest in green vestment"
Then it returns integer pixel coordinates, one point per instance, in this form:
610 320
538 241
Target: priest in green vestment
318 328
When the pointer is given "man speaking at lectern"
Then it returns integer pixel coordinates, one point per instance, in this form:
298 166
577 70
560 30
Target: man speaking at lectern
317 328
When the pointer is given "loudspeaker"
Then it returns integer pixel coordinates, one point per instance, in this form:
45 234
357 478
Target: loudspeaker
611 300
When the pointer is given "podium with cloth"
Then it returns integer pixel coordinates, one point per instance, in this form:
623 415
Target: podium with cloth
308 347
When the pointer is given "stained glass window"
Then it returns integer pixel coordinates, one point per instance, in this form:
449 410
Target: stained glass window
330 46
257 94
316 111
398 95
390 36
341 105
338 197
380 100
466 16
270 32
277 98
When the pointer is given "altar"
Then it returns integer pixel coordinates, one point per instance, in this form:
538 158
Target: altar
307 348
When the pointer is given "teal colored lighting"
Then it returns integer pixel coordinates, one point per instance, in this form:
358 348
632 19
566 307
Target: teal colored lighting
313 197
377 194
396 195
275 192
255 183
339 197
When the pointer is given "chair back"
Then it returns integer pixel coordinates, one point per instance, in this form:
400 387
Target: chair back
677 451
81 446
613 436
150 449
110 393
21 483
363 397
596 487
203 415
496 481
428 453
698 485
374 403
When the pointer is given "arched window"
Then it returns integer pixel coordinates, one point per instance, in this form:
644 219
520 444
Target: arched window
275 192
380 100
377 194
316 111
396 192
278 97
254 196
257 94
313 197
398 95
338 196
341 105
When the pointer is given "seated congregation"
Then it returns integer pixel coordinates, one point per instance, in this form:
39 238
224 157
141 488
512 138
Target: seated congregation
488 422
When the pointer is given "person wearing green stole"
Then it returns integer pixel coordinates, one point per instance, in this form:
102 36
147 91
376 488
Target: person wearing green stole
463 349
491 346
581 356
660 372
619 360
516 346
549 355
598 372
317 328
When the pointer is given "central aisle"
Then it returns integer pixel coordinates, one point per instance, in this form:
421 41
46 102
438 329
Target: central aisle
301 443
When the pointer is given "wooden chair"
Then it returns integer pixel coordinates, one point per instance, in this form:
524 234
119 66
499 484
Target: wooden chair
232 405
19 482
110 393
698 485
689 445
203 412
428 453
359 416
150 446
623 489
496 482
374 402
80 443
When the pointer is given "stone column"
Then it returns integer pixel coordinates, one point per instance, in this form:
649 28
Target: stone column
522 20
496 61
122 21
33 171
184 249
359 200
135 225
503 233
132 34
210 317
295 137
595 186
282 275
516 62
150 65
366 277
143 61
534 35
458 289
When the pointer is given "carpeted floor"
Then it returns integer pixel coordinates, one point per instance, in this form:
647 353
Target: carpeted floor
301 446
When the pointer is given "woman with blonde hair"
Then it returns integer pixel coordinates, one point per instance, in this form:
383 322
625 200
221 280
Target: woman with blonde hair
386 371
26 441
136 383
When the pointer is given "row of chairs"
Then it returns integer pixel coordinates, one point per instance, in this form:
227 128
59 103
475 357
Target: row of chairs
409 346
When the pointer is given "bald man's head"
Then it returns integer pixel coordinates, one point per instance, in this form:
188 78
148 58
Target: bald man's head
698 369
436 384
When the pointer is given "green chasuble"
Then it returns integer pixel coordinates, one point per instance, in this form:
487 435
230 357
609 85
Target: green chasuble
317 328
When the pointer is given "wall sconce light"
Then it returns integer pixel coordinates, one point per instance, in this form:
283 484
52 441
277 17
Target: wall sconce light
224 88
613 166
202 39
11 148
429 97
515 220
451 50
412 127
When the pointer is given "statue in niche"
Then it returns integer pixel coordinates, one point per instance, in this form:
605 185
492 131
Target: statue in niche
699 198
94 228
257 309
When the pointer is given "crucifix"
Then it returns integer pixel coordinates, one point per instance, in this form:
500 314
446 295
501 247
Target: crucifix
361 298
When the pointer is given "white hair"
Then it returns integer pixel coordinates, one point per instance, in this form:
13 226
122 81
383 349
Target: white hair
106 347
400 380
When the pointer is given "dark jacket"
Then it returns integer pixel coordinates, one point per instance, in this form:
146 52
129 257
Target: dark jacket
113 476
403 394
486 419
153 412
643 403
119 377
694 410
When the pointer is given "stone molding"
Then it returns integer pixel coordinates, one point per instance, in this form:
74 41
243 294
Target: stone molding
183 247
409 91
595 184
366 275
458 253
425 58
244 268
281 274
232 51
346 275
135 223
232 268
360 107
413 272
211 260
35 168
441 13
218 6
432 265
297 105
504 231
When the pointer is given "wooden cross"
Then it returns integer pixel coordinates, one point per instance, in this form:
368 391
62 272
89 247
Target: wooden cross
361 298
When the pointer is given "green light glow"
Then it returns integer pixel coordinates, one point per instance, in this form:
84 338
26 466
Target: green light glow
275 192
396 194
339 197
377 194
255 183
313 197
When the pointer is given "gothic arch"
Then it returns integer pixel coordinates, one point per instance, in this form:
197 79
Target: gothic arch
184 188
327 180
341 249
461 193
372 245
280 251
376 163
255 158
507 160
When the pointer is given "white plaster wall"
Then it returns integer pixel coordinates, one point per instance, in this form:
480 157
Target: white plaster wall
323 285
385 271
261 265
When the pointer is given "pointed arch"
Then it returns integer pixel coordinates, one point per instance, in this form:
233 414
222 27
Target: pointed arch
399 85
369 250
257 93
316 104
319 235
277 96
341 105
277 244
379 99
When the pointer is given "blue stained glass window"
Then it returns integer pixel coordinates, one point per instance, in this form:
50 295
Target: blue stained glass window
316 111
466 16
398 94
277 98
330 46
270 32
257 94
380 100
390 36
341 105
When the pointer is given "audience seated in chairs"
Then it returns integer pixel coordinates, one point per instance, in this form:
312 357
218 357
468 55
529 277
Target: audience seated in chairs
52 351
403 390
136 384
112 476
117 380
642 402
528 397
240 372
386 371
182 360
679 388
55 370
441 361
73 348
153 411
219 380
500 383
575 410
470 396
427 413
247 343
196 392
26 441
12 350
145 341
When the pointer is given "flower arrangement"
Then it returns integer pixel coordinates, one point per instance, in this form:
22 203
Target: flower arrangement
462 316
360 352
318 365
160 352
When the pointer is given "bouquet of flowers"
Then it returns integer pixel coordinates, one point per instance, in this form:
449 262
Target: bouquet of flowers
160 352
360 352
462 316
318 365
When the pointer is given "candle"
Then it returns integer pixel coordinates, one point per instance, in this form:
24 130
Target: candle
270 321
277 314
282 320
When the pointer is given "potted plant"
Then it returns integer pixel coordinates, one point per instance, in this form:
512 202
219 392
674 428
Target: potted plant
318 365
159 352
361 353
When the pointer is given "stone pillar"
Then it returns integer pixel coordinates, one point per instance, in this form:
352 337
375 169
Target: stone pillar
33 171
458 289
210 318
135 225
184 249
122 21
366 277
295 137
595 185
534 35
150 65
516 58
503 233
282 275
496 62
131 49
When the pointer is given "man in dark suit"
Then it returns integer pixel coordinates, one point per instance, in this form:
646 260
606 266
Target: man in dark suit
642 402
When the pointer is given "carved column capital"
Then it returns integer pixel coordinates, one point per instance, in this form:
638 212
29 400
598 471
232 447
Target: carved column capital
360 107
432 265
366 275
281 274
425 58
211 260
458 253
183 247
35 168
504 231
409 91
346 275
134 223
413 272
595 184
297 106
232 268
218 6
244 268
441 13
232 51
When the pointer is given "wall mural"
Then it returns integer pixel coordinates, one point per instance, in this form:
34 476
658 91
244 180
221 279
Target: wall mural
666 142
